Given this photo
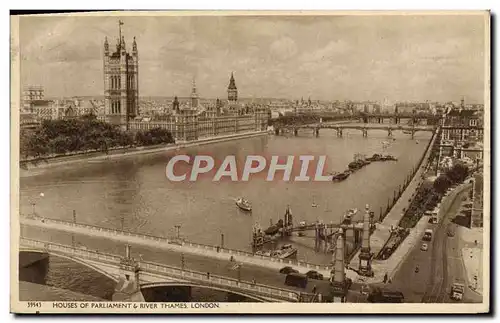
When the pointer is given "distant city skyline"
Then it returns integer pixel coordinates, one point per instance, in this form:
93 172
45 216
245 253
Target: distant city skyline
399 58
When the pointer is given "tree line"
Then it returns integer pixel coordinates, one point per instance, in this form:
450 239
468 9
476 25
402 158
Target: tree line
55 137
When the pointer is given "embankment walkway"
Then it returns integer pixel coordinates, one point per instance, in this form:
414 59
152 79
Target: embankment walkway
391 265
382 232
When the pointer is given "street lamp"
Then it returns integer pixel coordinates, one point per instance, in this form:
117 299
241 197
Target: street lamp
239 272
33 204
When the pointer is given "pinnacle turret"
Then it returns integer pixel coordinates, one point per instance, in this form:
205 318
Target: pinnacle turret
134 46
106 46
232 83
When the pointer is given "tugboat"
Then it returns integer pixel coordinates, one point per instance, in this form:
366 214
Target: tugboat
341 176
244 204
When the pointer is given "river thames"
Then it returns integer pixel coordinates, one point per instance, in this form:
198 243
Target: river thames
133 192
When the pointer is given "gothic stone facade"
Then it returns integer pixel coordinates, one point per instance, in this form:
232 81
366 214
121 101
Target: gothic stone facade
121 83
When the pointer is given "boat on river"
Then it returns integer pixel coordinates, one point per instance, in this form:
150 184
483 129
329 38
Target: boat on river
274 228
358 164
341 176
388 157
244 204
313 204
286 251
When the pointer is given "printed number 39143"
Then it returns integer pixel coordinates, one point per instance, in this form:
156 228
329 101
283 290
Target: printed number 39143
34 304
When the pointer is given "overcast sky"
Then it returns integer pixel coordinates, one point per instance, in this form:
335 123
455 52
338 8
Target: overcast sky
326 57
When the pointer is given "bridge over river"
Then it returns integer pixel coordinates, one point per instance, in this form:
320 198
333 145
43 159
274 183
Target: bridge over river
176 245
264 269
133 275
340 128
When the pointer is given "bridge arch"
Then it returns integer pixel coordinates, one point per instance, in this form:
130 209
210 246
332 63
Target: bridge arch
74 259
207 286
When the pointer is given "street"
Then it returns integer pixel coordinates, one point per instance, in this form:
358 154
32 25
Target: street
439 266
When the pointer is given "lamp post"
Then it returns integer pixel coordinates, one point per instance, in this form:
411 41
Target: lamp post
239 272
33 204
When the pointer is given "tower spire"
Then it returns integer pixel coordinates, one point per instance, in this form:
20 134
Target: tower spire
232 90
106 45
194 95
194 86
120 23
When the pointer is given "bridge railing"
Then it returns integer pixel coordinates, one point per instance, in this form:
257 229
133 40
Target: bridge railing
163 269
79 252
219 280
199 246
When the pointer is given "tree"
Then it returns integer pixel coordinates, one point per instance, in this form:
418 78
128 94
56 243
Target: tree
442 183
458 173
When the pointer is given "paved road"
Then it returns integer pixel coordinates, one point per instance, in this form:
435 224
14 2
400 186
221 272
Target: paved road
194 262
439 266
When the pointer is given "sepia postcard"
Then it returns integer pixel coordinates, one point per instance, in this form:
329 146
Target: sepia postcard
250 162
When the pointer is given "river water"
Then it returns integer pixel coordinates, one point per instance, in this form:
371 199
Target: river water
134 192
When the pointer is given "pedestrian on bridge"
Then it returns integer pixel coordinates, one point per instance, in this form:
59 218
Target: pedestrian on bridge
385 278
208 275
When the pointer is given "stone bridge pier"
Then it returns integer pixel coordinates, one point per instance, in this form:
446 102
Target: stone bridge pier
128 288
33 267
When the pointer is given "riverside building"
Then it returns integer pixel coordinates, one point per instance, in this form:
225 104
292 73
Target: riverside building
193 120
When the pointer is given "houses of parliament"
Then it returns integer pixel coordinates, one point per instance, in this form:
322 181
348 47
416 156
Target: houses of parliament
186 121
